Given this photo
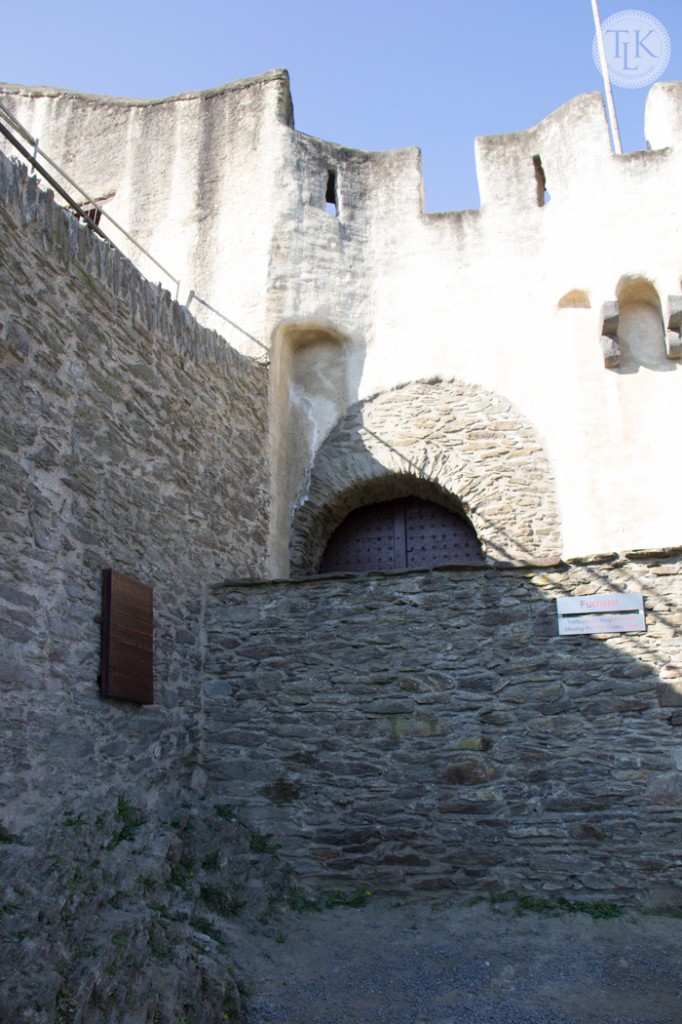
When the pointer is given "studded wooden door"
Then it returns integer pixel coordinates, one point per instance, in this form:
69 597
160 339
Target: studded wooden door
405 533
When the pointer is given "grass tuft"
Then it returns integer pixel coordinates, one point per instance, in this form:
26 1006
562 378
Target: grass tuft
220 900
599 910
130 818
7 837
300 903
261 843
338 898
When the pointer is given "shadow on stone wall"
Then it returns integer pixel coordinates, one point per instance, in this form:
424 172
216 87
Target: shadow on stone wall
429 731
444 441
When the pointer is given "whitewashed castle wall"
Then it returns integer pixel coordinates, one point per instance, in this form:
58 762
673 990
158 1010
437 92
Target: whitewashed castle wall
192 178
507 298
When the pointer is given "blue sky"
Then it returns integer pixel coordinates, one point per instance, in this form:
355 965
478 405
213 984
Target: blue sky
370 75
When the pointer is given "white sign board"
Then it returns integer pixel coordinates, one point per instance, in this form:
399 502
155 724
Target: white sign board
600 613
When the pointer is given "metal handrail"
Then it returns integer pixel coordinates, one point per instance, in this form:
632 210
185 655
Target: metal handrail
50 180
18 127
32 160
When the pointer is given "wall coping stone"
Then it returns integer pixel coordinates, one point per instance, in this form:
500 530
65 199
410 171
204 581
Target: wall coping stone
520 568
150 304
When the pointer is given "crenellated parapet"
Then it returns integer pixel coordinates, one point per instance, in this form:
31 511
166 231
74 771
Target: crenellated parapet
198 175
562 152
561 293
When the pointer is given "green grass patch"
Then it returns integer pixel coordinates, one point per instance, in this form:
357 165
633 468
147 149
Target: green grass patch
262 843
301 903
184 826
211 862
599 909
77 880
7 837
338 898
220 900
225 811
75 823
129 818
181 872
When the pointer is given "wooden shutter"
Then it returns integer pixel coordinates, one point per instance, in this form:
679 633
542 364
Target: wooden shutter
127 639
406 533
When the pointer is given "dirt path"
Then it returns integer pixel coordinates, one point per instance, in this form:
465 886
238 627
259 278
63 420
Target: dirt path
425 964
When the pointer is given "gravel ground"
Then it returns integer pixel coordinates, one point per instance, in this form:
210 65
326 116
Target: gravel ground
426 964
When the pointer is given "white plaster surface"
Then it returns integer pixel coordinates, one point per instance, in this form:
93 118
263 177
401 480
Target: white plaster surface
508 298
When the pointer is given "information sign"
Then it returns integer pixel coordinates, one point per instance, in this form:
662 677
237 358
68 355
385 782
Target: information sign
600 613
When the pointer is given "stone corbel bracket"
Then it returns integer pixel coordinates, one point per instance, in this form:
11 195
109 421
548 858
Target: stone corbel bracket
610 346
673 339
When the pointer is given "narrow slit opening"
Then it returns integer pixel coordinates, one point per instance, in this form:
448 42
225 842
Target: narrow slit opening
541 193
331 196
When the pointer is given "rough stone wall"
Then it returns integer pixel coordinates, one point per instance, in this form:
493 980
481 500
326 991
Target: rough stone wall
443 439
429 730
131 438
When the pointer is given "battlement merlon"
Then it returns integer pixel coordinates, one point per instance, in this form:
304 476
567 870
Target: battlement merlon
568 142
568 148
663 115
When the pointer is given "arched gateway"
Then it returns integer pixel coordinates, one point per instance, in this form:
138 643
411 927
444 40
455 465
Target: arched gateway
466 449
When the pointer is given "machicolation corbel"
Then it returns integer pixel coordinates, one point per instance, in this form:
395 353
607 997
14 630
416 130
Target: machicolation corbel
673 335
610 345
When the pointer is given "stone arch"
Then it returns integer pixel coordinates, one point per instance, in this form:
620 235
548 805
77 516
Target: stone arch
641 331
454 443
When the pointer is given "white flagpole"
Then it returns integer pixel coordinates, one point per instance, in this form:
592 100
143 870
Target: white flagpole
613 120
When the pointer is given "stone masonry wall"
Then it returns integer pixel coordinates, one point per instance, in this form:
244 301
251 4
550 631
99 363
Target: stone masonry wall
430 731
132 438
434 437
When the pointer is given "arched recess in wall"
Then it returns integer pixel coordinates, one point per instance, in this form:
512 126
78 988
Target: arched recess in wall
314 377
466 448
641 331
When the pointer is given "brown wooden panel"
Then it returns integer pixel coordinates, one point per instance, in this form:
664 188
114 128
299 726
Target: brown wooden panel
407 532
127 639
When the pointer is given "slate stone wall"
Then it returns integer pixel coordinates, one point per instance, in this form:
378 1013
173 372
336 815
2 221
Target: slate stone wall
445 441
132 438
430 731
